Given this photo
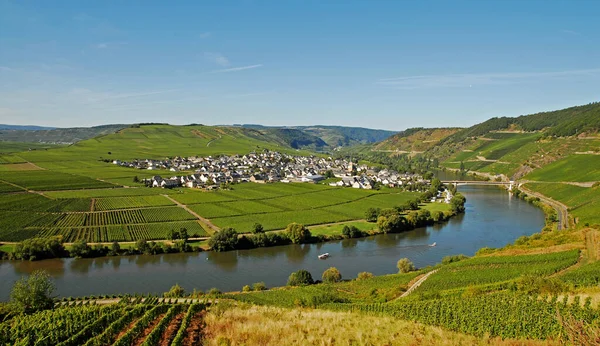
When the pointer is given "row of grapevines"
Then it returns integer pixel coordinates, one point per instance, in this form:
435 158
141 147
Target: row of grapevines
154 337
505 315
94 329
109 334
191 312
127 338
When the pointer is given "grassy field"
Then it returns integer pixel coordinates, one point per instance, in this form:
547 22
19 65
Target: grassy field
15 147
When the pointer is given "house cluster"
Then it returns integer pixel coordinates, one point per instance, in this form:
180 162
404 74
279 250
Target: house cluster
211 172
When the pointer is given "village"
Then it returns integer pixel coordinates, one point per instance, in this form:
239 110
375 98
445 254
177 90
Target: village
268 167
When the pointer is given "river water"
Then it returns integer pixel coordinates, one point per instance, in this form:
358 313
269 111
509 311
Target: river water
492 219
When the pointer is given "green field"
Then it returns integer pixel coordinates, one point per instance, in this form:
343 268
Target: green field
583 202
15 147
582 168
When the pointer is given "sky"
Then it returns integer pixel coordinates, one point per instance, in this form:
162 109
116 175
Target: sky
378 64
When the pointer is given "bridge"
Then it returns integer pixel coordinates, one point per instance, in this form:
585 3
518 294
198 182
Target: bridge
480 182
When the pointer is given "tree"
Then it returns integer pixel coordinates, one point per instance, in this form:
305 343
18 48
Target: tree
142 245
80 249
258 228
364 276
329 174
457 204
297 233
331 275
391 223
246 288
223 240
371 214
33 293
176 291
183 234
300 278
405 265
259 286
173 235
115 248
351 231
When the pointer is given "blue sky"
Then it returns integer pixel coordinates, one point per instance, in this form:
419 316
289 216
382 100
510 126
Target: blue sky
380 64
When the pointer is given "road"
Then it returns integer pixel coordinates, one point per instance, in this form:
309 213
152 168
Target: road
418 283
204 220
561 209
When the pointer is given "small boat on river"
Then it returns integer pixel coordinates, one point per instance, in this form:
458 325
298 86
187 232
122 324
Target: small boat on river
434 244
324 256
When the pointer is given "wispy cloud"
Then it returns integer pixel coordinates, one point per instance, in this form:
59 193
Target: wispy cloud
570 32
205 35
106 45
6 69
217 58
470 79
234 69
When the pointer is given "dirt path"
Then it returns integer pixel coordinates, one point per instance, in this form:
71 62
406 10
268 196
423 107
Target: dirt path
418 283
93 205
171 330
212 140
126 329
193 333
204 220
149 328
561 209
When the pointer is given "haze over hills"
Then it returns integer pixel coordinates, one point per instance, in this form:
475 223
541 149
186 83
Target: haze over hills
317 138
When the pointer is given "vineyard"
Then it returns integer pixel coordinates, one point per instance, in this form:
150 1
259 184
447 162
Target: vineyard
496 269
125 323
502 314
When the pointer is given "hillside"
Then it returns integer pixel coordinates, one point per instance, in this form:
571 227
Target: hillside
578 120
333 136
415 139
56 135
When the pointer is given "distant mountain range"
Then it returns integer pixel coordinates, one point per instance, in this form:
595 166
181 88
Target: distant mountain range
317 138
24 127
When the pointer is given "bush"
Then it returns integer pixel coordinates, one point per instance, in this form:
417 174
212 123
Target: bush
33 293
38 249
331 275
258 228
213 292
297 233
371 214
351 232
259 286
224 240
405 265
175 292
364 276
300 278
246 288
455 258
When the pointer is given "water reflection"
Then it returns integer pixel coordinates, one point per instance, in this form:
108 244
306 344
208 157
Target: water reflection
492 219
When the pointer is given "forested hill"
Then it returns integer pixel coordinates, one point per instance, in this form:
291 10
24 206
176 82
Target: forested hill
561 123
333 136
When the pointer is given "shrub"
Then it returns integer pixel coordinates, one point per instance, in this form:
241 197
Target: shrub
259 286
258 228
452 259
213 292
331 275
364 276
224 240
176 291
371 214
405 265
300 278
351 231
33 293
246 288
297 233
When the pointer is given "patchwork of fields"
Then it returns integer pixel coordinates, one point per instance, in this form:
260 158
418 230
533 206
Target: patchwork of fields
128 214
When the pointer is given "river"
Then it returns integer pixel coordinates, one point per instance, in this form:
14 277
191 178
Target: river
492 219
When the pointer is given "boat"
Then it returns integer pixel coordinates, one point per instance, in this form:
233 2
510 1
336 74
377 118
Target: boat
324 256
434 244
